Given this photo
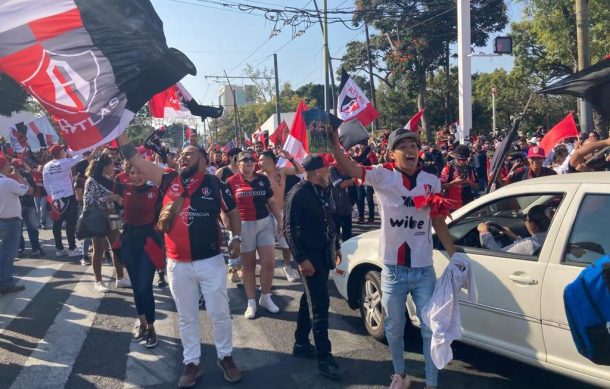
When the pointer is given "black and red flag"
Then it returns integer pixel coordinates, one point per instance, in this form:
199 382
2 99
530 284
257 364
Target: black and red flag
176 102
91 63
353 103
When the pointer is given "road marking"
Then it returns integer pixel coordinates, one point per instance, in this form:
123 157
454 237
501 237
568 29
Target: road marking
149 367
11 305
52 360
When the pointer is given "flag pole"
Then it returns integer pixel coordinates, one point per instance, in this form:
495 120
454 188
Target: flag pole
504 152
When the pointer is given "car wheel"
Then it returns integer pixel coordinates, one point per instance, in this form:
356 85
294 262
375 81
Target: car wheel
370 305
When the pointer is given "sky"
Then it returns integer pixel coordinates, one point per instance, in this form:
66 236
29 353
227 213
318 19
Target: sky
217 38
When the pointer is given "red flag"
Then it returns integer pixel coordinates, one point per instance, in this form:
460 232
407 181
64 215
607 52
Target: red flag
414 121
277 138
564 129
296 142
189 132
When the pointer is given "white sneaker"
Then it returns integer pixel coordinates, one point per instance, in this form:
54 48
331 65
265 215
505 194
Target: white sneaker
99 287
400 383
61 253
123 283
266 302
292 275
251 310
75 253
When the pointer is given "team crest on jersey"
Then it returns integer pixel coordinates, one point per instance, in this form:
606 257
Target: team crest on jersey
206 191
175 187
150 195
427 189
260 183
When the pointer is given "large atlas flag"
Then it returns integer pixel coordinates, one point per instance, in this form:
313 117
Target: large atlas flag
91 63
352 102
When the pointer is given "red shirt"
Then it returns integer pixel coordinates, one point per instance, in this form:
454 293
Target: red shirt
251 196
140 204
460 194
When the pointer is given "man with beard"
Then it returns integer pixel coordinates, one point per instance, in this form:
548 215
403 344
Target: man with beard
196 264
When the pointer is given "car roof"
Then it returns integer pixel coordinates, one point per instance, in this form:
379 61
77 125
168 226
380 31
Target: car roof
571 178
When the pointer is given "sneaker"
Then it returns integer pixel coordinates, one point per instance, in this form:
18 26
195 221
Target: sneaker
108 256
266 302
20 252
85 260
38 253
292 275
161 283
361 221
229 369
398 382
251 310
61 253
123 282
189 376
12 289
151 338
327 367
75 253
100 287
139 334
306 350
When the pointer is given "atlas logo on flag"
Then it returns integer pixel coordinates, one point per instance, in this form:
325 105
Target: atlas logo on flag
74 79
349 105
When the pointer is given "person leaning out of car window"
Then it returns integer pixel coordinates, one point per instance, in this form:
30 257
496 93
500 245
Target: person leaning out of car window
537 223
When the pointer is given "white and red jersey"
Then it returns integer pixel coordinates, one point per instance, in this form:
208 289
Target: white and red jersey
406 236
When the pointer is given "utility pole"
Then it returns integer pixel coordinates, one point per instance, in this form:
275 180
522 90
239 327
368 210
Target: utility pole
584 58
330 64
493 108
464 70
277 91
446 66
325 55
375 125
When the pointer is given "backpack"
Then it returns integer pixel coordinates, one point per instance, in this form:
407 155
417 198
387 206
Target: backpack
587 305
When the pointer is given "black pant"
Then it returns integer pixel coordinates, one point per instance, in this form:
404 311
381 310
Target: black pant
69 214
316 287
366 191
343 224
141 273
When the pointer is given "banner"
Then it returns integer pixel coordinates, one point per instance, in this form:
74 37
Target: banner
91 64
352 102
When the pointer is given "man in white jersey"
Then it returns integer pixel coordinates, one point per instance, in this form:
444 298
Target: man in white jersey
403 191
58 182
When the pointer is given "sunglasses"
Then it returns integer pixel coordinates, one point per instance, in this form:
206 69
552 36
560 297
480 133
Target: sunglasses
248 160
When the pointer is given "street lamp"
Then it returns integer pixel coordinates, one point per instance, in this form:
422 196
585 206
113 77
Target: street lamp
493 108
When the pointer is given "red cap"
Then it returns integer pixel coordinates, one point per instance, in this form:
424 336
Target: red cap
54 150
535 152
3 161
17 163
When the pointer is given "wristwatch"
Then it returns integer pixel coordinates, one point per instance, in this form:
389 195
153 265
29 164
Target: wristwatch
235 237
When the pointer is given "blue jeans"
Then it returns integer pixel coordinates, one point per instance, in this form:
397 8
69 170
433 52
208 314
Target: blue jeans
43 210
396 283
10 231
141 272
365 191
30 220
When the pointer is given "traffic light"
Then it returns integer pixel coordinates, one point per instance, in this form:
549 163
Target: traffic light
503 45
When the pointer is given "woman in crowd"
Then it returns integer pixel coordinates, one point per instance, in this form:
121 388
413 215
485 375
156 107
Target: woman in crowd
232 168
254 198
80 177
98 190
140 246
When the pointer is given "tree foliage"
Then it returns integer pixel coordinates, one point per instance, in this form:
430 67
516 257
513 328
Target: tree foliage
13 99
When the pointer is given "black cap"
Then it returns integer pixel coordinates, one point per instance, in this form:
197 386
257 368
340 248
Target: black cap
461 152
244 154
400 134
313 162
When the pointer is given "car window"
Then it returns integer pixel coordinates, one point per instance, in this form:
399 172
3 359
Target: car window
590 235
507 212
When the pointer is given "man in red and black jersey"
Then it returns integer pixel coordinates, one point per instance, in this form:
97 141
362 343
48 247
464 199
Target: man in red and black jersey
196 264
458 178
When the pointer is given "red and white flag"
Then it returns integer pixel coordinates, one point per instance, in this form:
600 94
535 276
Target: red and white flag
41 134
566 128
352 102
296 141
280 133
413 123
168 104
91 64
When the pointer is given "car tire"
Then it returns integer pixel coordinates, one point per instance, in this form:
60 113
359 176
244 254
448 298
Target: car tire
371 311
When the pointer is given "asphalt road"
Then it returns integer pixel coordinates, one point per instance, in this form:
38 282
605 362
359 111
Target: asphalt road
60 333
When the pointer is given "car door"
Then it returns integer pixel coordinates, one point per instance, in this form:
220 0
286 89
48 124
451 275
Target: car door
507 315
583 237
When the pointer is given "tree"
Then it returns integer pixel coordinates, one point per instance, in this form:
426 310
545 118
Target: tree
14 97
312 94
263 81
418 33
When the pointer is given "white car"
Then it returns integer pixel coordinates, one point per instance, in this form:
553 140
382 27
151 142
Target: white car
520 311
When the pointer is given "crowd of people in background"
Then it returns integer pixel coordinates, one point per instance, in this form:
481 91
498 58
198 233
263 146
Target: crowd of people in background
241 193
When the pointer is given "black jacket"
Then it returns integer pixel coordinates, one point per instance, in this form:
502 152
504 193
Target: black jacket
309 226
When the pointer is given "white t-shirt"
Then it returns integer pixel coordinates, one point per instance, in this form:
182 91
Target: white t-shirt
57 177
406 236
10 190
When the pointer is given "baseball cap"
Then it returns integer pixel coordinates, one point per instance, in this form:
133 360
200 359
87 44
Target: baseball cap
17 163
535 152
244 154
313 162
401 134
54 150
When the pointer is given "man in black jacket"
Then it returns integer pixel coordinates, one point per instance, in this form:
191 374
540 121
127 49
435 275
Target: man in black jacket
311 235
